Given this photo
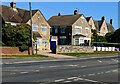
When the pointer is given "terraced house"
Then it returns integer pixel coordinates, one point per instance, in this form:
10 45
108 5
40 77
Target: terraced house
40 27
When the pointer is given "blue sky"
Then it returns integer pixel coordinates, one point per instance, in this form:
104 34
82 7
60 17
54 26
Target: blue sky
94 9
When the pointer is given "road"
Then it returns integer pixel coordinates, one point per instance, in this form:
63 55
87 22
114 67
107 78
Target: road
61 71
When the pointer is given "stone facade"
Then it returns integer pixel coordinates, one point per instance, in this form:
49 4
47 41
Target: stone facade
39 20
81 22
103 29
74 49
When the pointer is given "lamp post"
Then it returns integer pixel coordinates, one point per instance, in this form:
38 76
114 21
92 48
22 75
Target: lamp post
31 27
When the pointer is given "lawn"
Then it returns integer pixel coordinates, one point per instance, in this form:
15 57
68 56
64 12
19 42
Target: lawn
23 56
90 54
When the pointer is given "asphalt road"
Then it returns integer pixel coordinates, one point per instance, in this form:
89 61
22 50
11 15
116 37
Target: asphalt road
59 71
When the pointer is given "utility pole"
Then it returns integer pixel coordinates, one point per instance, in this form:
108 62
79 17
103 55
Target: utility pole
31 27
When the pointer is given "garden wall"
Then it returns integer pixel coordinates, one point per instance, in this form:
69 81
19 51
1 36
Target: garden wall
73 49
11 51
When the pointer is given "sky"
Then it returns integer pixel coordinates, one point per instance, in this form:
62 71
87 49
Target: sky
94 9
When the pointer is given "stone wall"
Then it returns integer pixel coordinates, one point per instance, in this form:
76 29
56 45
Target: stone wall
11 51
73 49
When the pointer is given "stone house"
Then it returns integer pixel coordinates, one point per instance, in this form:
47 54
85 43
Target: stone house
101 26
40 27
70 29
90 21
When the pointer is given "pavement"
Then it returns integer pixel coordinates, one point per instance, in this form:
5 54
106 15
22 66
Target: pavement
50 54
103 70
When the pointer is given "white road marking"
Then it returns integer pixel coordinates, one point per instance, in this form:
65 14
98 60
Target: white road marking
115 60
107 71
91 74
84 75
67 81
98 73
72 78
83 66
102 73
59 80
37 70
23 72
77 79
114 70
99 61
71 65
12 73
90 80
42 67
52 66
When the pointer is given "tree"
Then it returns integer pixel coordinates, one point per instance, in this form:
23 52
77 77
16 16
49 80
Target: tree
8 34
97 38
109 37
19 36
116 36
23 37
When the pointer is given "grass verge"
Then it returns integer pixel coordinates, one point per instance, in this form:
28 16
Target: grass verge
23 56
90 54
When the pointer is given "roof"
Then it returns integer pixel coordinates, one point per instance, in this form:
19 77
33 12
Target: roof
37 34
17 15
64 20
110 28
79 35
98 24
88 18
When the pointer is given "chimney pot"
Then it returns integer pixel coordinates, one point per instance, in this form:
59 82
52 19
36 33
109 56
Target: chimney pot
13 4
59 14
75 12
103 18
111 21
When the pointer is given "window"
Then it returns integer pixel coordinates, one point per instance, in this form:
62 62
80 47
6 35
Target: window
86 31
62 30
44 28
44 42
62 40
34 27
76 41
56 30
50 31
37 41
78 29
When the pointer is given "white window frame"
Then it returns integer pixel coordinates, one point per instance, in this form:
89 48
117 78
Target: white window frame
78 27
87 32
34 27
76 41
44 27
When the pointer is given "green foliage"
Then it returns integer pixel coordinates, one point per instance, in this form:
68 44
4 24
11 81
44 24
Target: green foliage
113 36
116 36
109 36
19 36
8 34
96 38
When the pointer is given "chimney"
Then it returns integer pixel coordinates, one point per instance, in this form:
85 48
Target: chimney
111 21
13 4
59 14
75 12
103 18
